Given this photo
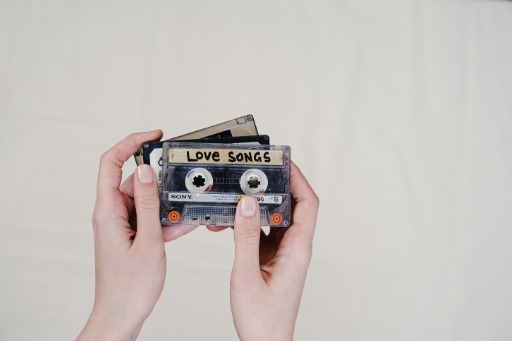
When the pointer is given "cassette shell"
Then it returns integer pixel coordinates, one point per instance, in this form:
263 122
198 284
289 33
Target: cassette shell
236 171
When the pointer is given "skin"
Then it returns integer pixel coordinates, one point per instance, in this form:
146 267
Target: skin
268 273
130 265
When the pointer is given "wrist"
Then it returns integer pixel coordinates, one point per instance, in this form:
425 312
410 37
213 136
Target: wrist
104 326
266 332
267 337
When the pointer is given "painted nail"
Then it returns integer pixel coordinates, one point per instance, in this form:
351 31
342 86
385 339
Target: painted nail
145 174
248 207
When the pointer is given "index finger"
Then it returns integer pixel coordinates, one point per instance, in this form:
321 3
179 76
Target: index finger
111 162
306 205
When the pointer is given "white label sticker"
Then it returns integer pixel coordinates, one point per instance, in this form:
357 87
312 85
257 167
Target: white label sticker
221 198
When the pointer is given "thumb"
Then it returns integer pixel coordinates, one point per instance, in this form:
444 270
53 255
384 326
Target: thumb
147 204
247 237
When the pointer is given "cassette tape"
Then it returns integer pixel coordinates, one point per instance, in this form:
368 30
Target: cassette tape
152 150
239 130
202 183
240 126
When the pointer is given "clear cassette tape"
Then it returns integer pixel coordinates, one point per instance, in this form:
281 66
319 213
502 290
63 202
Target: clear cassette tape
203 183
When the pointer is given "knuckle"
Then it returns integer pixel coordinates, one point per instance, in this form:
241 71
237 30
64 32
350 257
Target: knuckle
133 137
116 153
104 157
98 220
112 155
146 202
247 236
94 221
316 200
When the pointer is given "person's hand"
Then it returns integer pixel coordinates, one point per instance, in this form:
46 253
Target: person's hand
130 264
269 272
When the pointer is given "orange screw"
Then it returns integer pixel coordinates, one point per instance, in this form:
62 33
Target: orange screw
276 218
174 216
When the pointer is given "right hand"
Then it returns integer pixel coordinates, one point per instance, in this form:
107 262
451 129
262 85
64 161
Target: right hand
269 272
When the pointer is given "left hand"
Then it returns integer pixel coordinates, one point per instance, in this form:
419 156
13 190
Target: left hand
130 264
269 272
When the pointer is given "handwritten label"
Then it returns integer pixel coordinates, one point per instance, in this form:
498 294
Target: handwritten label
226 156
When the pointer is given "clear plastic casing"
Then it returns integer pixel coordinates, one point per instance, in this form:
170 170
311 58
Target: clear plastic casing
203 183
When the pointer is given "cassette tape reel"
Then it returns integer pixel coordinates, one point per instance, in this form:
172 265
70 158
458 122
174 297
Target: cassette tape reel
202 183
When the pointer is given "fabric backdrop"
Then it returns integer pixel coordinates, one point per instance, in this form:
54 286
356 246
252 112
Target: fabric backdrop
398 112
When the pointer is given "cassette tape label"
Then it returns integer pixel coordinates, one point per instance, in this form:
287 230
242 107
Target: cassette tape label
226 156
203 183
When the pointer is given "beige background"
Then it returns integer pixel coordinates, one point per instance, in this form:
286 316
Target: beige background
399 113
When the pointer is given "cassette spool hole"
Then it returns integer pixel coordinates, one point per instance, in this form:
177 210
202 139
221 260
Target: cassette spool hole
198 180
253 181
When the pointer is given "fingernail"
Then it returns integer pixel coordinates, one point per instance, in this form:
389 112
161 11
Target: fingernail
248 207
145 174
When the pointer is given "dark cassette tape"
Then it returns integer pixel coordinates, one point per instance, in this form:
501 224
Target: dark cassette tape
240 126
239 130
202 183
